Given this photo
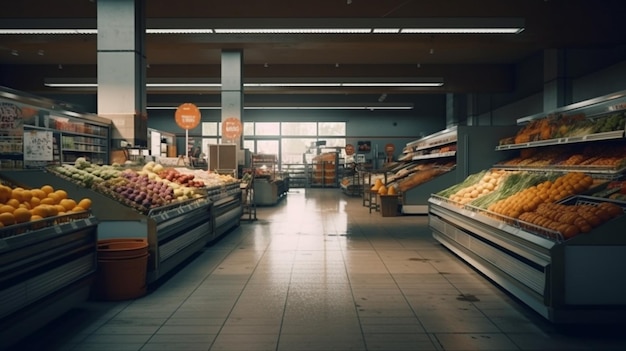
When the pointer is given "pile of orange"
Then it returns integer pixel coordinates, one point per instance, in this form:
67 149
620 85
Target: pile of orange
19 205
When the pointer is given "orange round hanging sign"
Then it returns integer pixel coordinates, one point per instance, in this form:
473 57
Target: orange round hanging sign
187 116
231 128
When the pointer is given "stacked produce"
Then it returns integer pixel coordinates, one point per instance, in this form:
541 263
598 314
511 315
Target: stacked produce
593 156
570 220
488 182
530 198
561 126
85 173
19 205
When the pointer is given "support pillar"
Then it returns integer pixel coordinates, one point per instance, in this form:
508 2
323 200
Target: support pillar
122 71
557 89
232 96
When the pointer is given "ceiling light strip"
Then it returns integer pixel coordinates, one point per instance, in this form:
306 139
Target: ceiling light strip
286 85
321 107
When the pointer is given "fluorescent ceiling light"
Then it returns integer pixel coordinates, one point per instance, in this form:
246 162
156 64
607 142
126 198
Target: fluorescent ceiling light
293 31
416 84
386 30
296 107
180 31
48 31
249 85
461 30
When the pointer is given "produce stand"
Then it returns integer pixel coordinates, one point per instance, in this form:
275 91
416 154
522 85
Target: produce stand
174 232
45 270
565 280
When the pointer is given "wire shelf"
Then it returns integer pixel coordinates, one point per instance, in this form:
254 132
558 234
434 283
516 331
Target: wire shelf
31 226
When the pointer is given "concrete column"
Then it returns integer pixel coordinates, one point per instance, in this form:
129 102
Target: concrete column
456 109
232 89
122 70
557 86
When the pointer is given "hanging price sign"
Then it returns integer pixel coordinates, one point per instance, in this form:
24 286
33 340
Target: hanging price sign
187 116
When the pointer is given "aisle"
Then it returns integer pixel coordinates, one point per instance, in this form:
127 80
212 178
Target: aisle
319 272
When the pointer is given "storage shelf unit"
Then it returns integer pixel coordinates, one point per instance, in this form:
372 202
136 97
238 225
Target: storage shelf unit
269 186
44 272
174 232
325 170
565 281
449 156
299 174
76 134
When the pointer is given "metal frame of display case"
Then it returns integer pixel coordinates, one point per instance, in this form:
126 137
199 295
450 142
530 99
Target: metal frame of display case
44 272
565 281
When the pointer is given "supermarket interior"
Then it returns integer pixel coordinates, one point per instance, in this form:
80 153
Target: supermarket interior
336 175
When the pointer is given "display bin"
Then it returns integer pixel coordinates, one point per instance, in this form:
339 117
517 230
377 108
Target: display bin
47 268
389 205
122 269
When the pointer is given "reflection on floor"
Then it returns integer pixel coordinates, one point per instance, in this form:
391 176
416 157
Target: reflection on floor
319 272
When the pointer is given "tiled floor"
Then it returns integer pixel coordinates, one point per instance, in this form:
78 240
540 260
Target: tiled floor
319 272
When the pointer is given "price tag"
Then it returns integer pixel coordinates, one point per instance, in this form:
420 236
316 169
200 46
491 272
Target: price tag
73 225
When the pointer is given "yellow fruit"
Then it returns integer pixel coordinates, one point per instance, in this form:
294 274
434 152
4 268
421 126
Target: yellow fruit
60 208
47 189
22 215
41 211
25 205
52 211
34 201
35 218
382 190
68 204
7 218
85 203
7 208
391 190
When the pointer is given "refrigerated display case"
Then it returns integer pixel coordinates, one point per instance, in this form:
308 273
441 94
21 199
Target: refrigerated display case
564 279
442 159
269 185
174 232
47 268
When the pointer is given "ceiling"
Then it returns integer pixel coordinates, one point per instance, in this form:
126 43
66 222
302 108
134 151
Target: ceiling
466 62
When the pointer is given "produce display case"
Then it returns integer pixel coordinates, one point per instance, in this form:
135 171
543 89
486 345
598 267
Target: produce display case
47 267
299 174
325 170
174 232
442 159
269 186
565 279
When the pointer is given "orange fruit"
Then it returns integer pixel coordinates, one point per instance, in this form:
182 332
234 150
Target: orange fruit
5 193
22 215
34 201
17 194
48 201
13 202
52 211
35 218
7 208
56 198
40 194
62 194
68 204
1 225
47 189
41 211
7 218
60 208
78 209
85 203
27 195
25 205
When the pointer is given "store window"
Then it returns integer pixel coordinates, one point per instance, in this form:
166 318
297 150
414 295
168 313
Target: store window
248 128
249 144
332 128
209 129
294 148
298 129
266 128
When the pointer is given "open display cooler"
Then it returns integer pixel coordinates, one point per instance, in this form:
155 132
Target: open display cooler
442 159
174 232
47 267
564 279
269 185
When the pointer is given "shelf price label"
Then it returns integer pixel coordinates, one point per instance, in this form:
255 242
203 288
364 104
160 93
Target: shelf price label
38 146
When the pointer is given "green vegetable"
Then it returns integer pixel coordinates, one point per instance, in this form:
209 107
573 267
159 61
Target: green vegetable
471 179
